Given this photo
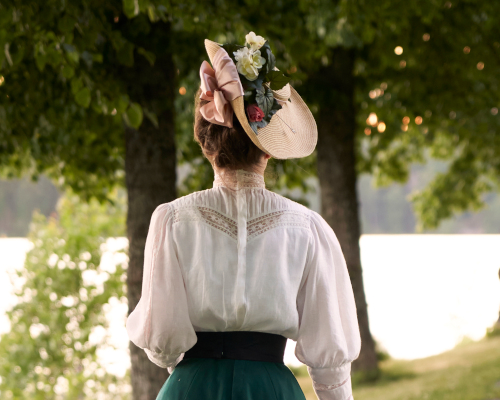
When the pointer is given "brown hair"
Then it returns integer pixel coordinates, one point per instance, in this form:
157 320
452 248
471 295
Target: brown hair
225 147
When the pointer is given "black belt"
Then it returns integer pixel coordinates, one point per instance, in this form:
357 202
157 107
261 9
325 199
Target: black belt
253 346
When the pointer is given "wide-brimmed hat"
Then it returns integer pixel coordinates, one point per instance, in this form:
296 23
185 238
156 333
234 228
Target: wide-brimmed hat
292 131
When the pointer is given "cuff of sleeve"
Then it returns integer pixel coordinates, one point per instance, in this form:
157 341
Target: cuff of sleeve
161 359
332 383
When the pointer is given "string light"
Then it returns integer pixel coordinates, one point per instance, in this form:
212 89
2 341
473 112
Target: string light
418 120
406 120
182 90
368 131
381 126
398 50
480 65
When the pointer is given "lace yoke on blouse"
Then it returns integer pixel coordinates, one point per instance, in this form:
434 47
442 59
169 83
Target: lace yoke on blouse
239 257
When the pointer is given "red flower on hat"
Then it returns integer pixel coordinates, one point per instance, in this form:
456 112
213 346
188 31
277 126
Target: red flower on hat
255 114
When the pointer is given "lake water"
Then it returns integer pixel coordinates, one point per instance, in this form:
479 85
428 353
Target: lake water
425 293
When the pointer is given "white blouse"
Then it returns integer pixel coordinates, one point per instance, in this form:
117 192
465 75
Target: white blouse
238 257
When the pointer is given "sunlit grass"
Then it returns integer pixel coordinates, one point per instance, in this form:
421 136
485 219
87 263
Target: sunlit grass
471 371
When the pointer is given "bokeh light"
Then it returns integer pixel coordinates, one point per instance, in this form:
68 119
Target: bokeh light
375 93
418 120
381 126
372 119
480 66
398 50
406 120
182 90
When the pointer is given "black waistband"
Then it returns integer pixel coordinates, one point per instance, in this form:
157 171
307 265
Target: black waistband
253 346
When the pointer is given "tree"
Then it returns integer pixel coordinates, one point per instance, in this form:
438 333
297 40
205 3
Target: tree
77 79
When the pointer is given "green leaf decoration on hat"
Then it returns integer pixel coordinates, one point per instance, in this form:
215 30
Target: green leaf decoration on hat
265 99
277 80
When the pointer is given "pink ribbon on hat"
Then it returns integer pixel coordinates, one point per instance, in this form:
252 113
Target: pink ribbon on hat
219 85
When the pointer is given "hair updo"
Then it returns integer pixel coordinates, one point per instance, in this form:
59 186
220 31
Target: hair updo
225 147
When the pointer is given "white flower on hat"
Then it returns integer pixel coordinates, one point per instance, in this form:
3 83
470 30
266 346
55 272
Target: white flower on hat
255 42
249 62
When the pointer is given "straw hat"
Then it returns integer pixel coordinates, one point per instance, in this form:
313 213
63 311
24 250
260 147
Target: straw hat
292 132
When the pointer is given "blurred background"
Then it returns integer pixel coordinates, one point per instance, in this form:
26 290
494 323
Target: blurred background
96 115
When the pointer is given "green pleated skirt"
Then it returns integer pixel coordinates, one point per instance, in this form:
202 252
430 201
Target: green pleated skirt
225 379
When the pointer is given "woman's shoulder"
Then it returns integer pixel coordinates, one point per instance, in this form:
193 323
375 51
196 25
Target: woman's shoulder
194 198
282 202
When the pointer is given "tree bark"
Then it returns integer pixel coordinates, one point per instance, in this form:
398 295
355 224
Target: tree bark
336 161
150 173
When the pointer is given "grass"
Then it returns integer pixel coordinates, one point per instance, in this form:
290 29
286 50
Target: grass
471 371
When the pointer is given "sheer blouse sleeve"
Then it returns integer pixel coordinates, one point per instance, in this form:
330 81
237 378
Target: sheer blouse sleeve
160 322
329 338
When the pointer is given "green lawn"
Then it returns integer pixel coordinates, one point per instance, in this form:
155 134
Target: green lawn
469 372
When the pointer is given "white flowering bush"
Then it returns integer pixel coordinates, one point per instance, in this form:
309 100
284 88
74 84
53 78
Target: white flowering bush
59 324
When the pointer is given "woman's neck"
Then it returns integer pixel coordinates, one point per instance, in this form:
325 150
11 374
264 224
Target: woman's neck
258 168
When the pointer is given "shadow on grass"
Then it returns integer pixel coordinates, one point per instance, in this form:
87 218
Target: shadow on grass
381 376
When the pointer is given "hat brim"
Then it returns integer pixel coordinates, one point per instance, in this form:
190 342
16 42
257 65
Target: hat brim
292 132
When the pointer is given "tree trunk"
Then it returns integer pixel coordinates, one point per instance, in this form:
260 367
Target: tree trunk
336 155
150 168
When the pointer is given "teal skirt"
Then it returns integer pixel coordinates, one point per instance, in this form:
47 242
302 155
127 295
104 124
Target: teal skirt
225 379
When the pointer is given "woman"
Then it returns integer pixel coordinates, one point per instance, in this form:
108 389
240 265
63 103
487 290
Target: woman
231 272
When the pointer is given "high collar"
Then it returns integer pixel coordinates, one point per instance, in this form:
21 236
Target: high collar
237 179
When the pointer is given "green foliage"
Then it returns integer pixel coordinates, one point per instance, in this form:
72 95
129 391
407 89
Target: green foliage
66 97
446 75
69 87
60 105
62 295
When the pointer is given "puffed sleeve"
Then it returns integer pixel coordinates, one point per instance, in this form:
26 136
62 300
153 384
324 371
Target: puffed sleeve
160 322
329 338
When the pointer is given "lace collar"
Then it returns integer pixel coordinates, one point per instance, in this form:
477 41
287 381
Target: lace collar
237 179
